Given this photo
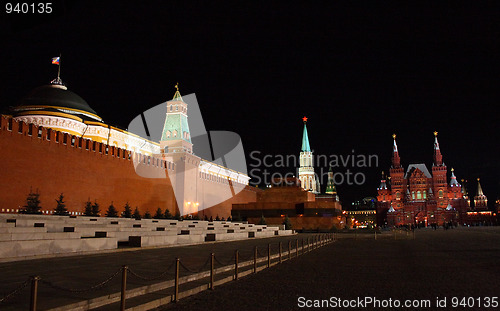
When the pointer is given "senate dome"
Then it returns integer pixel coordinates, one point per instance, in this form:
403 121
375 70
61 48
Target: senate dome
55 100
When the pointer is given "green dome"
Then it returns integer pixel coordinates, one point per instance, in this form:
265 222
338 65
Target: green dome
55 96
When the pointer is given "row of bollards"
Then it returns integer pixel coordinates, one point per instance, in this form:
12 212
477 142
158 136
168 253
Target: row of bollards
309 244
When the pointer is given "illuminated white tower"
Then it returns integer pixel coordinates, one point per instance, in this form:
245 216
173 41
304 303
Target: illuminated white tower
306 169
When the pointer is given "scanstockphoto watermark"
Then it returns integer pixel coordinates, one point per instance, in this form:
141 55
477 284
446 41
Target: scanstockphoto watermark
345 167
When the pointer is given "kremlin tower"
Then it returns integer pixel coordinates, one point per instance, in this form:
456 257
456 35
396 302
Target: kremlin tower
307 176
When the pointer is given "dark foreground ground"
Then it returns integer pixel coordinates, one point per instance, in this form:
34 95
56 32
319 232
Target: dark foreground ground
463 262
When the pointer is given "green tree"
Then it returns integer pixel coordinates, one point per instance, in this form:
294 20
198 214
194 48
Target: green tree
177 216
95 209
167 214
262 220
88 208
137 214
147 215
217 218
287 223
159 214
32 203
111 212
61 207
127 211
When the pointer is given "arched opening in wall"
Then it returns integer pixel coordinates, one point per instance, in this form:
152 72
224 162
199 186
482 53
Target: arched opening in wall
20 128
419 195
49 131
9 125
39 132
397 195
30 129
166 148
440 194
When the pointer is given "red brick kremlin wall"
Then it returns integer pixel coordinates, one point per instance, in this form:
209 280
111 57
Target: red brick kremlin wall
54 162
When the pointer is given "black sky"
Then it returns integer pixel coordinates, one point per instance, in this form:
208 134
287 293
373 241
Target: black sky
359 71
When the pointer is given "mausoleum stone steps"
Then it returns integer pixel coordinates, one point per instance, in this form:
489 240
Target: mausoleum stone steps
24 236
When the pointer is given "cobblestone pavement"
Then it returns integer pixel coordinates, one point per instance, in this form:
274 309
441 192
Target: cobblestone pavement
81 272
462 262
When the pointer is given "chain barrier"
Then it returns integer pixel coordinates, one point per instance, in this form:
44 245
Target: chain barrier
195 270
72 290
245 258
229 262
159 276
260 254
15 291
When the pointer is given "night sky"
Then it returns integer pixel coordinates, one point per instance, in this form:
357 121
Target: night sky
359 71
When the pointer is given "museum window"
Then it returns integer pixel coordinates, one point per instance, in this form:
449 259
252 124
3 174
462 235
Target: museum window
425 194
419 195
413 195
176 108
170 107
440 194
397 195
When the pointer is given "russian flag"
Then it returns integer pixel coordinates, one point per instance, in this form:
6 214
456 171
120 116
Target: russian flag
55 60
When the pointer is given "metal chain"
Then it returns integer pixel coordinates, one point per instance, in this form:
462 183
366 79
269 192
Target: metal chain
260 254
15 291
245 258
195 270
161 275
230 262
72 290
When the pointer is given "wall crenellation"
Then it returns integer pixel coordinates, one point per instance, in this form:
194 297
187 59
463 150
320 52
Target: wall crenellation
10 125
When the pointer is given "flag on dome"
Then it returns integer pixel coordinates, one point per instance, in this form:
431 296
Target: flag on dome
55 60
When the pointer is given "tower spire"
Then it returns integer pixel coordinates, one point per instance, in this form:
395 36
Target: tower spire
479 189
438 158
453 181
305 137
177 95
396 161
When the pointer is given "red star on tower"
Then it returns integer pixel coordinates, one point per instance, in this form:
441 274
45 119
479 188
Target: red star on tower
304 119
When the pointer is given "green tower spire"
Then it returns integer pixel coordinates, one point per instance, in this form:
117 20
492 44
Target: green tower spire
305 137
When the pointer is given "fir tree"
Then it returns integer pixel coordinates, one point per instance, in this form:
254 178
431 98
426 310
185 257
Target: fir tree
95 209
205 218
168 215
196 217
217 218
287 223
147 215
262 220
61 207
137 214
111 212
159 214
32 203
177 216
229 218
127 211
88 208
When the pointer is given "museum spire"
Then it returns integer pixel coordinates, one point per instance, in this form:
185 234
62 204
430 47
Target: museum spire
438 158
396 161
